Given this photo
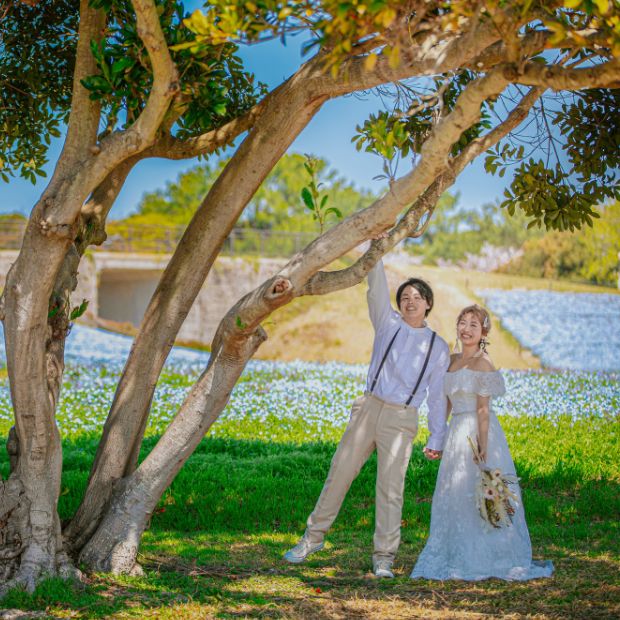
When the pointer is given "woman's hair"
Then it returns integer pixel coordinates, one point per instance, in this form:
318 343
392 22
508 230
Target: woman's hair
481 314
422 287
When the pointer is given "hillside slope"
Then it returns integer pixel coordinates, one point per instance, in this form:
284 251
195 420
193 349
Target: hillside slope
336 327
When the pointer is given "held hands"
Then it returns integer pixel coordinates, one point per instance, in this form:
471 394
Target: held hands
432 455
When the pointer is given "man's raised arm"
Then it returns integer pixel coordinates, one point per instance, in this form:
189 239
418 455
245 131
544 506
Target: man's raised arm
379 306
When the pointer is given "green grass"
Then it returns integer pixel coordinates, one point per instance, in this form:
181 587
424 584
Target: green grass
215 542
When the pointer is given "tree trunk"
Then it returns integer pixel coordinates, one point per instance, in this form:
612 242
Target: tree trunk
288 112
35 364
114 545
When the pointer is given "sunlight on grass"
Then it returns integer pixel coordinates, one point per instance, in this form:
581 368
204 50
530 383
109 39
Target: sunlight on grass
215 543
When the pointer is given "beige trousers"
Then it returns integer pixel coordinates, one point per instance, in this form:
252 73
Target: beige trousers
390 429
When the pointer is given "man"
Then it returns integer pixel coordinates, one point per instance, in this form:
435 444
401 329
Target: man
408 361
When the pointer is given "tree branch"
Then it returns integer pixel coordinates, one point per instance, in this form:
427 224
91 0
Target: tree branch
122 145
530 44
436 56
95 210
484 143
165 77
604 75
433 161
172 148
324 282
84 116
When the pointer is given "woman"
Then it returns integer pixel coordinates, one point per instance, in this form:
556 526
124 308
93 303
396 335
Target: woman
461 544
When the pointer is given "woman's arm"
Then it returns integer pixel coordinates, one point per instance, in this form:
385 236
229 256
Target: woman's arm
482 411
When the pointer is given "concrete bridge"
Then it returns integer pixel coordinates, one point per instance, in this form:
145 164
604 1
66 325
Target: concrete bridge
119 286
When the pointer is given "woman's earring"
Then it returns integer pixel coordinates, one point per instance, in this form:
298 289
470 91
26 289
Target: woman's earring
457 344
483 344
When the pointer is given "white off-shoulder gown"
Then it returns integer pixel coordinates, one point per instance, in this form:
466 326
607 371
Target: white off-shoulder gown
461 545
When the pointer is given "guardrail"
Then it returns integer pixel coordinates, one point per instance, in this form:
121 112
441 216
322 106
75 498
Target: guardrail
163 240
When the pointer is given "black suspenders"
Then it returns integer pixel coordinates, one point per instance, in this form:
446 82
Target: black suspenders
374 381
417 385
428 356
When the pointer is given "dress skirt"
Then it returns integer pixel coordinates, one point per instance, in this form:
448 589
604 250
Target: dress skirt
461 544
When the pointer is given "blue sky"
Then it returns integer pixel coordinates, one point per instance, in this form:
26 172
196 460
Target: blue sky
328 135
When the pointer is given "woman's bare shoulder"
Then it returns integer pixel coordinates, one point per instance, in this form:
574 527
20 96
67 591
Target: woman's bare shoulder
483 364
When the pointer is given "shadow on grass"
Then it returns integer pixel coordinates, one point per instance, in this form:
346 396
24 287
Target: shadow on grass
215 543
229 576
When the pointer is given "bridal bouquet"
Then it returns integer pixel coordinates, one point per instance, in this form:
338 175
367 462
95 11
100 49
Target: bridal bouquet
493 496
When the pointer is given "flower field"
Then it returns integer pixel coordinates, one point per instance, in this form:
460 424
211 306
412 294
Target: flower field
572 331
294 401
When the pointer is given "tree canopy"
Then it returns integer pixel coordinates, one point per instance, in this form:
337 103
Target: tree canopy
559 175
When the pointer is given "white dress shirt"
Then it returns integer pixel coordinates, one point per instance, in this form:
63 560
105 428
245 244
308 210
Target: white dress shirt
405 359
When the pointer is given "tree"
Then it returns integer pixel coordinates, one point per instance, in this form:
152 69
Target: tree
147 81
276 205
592 255
454 232
602 244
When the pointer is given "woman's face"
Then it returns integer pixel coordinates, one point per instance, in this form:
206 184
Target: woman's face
469 329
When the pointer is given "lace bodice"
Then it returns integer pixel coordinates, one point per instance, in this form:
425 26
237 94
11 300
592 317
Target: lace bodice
464 385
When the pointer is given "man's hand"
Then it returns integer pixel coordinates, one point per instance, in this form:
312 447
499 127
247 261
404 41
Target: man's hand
432 455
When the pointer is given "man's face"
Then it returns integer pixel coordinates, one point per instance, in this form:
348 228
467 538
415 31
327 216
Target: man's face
413 306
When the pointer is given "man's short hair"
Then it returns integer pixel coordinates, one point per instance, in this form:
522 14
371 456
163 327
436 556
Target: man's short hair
422 287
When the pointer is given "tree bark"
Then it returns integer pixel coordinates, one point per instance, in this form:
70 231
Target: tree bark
113 547
288 111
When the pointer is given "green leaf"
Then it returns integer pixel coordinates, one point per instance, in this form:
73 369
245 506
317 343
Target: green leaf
121 64
220 109
184 46
307 198
335 211
240 324
78 311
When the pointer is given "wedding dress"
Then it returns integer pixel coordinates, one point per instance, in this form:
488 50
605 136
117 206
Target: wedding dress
461 545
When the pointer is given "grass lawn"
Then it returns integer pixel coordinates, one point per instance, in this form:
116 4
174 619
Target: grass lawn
215 543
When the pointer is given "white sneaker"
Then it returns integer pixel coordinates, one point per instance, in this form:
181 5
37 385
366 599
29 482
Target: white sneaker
302 550
383 568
